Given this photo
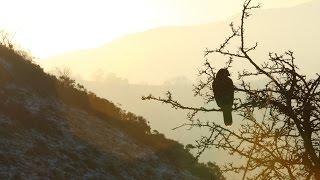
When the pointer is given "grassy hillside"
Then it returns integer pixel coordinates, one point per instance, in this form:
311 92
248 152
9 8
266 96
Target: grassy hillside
53 127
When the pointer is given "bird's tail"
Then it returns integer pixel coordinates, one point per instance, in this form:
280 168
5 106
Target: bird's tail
227 116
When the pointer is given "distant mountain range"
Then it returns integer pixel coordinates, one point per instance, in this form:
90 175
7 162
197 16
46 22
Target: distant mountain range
159 54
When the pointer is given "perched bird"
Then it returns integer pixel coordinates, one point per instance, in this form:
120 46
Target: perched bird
224 94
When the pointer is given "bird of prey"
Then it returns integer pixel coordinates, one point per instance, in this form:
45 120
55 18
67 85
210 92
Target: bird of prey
224 94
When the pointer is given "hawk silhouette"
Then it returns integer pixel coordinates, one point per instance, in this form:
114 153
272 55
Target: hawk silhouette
224 94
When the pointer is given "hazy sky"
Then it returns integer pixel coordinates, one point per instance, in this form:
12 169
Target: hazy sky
50 27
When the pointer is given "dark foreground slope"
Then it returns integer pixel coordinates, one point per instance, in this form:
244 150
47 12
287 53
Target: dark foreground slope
54 128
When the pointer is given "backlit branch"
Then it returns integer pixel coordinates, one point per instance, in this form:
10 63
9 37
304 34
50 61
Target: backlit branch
281 143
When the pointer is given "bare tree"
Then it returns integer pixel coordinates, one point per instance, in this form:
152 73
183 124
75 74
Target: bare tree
283 142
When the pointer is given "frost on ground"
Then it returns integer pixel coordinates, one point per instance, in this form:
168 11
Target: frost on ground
42 138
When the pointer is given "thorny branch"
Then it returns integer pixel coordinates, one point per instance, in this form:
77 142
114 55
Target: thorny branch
284 142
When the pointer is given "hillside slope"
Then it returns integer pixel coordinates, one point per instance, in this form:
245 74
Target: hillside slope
53 128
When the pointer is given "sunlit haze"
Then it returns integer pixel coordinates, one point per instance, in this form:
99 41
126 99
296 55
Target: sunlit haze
47 27
159 89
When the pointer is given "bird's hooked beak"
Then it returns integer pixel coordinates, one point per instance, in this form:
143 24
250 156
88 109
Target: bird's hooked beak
227 72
